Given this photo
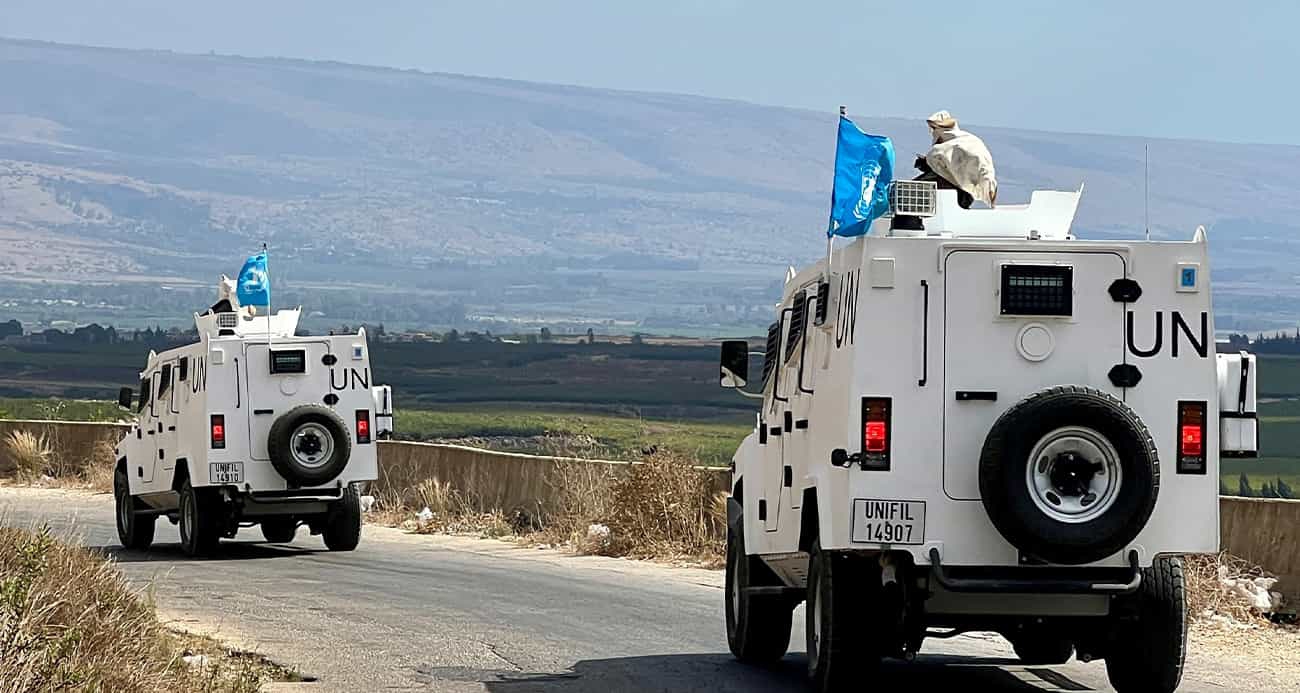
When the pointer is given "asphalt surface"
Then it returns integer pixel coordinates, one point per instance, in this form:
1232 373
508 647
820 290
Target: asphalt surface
421 613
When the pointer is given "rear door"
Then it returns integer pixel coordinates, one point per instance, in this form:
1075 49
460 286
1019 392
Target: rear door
775 412
280 377
152 425
165 406
1016 323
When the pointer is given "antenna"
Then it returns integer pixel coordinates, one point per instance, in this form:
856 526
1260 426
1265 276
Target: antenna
1146 188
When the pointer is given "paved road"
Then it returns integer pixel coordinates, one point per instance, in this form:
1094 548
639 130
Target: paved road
416 613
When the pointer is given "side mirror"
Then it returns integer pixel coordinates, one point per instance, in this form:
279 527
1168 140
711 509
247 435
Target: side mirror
734 363
124 397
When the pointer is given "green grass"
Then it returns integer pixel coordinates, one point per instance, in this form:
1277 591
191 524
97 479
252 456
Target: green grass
1279 438
1260 471
59 409
621 437
616 436
1279 376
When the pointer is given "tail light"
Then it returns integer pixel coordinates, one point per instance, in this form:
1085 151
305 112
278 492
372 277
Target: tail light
1191 437
218 432
875 433
363 425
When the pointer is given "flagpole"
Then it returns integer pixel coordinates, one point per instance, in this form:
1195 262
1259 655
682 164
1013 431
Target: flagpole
269 313
830 237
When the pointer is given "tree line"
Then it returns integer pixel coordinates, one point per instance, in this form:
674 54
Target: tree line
1270 489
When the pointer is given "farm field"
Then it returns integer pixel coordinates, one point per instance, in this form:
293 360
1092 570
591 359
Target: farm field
513 428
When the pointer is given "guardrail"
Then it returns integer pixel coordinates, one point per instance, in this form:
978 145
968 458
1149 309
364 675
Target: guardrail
504 480
72 444
1266 532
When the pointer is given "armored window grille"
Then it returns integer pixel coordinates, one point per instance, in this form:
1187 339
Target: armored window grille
773 345
1038 290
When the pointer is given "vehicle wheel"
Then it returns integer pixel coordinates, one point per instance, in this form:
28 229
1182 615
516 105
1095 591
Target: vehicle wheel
758 627
1042 649
279 530
342 531
134 531
841 655
1069 475
1148 655
200 529
309 445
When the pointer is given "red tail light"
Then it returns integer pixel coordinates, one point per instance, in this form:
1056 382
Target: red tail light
218 432
1193 445
1191 437
363 425
875 432
875 436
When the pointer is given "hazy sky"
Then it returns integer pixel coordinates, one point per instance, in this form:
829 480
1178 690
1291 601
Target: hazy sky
1209 70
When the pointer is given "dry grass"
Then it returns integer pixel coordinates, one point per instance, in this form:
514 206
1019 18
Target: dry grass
450 511
584 495
70 622
1206 595
31 454
457 512
664 508
42 459
98 474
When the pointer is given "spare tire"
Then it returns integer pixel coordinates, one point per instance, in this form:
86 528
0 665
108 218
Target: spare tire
309 445
1069 475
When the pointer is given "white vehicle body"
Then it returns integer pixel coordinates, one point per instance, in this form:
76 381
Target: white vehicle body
941 332
206 414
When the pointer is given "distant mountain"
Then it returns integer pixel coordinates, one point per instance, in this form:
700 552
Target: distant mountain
510 202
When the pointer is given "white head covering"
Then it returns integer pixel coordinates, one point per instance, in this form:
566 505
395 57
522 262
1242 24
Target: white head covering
961 158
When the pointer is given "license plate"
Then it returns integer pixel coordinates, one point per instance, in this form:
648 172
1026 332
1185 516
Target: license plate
888 521
226 472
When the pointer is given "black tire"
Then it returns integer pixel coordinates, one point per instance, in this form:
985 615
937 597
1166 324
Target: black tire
1150 648
842 655
342 531
314 421
1042 649
758 627
1005 464
279 530
200 525
135 531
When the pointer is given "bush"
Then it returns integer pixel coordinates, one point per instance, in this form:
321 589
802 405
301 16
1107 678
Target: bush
69 621
664 507
31 454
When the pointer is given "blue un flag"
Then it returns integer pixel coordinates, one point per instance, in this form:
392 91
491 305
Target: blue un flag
864 167
254 285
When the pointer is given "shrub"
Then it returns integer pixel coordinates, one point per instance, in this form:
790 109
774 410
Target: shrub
31 454
69 621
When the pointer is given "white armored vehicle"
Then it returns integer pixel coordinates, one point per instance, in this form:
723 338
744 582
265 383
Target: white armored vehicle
982 423
251 425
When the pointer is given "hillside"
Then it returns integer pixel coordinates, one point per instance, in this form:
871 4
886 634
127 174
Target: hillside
435 198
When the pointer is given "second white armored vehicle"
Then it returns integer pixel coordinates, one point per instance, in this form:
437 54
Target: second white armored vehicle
252 425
